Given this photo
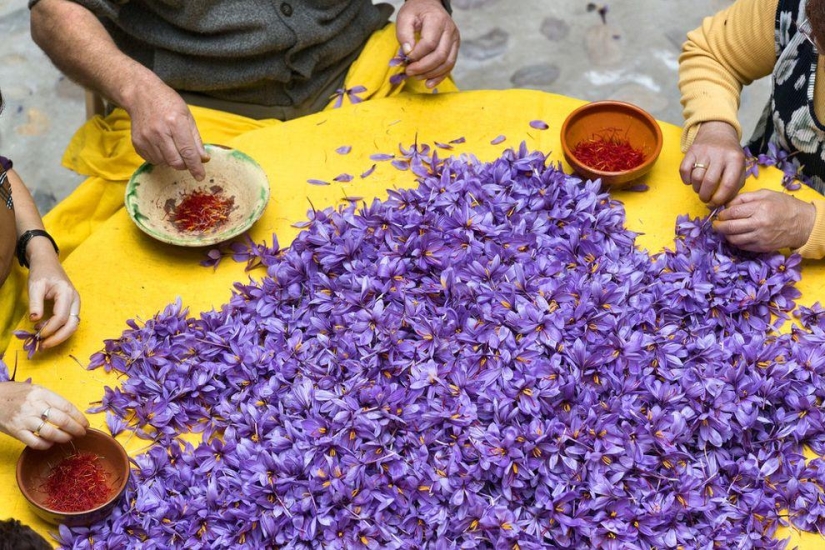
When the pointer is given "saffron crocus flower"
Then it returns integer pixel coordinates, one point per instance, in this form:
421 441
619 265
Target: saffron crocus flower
482 361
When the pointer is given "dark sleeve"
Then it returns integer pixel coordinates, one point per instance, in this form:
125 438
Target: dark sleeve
5 163
447 6
101 8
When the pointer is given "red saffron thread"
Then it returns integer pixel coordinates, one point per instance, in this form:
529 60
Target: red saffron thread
201 211
608 153
78 483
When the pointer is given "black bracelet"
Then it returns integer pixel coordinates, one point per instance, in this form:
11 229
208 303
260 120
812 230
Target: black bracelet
23 242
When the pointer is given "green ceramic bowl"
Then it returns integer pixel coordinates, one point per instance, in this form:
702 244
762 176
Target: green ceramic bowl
154 196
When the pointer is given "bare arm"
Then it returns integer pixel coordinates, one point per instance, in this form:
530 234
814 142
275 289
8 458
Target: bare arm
163 130
47 279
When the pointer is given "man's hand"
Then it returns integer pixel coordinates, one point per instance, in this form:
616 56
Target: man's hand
163 129
429 38
715 164
766 221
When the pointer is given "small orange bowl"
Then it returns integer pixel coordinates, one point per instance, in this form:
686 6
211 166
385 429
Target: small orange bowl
607 119
34 467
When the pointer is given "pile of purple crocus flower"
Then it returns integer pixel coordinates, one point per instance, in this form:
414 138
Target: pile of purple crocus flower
485 361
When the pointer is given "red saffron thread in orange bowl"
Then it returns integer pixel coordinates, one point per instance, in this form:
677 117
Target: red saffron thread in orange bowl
608 153
77 483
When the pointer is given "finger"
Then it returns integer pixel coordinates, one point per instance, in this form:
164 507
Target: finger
734 227
50 432
736 211
686 167
750 197
731 181
61 309
190 154
67 416
430 30
65 423
31 440
697 176
61 334
448 67
435 63
196 137
710 181
746 241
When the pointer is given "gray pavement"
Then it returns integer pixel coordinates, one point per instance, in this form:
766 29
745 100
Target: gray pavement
623 49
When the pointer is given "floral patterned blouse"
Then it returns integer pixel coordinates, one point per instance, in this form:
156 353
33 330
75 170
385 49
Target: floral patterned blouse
789 120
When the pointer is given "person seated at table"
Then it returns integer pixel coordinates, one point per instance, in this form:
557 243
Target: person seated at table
34 415
281 60
16 536
749 40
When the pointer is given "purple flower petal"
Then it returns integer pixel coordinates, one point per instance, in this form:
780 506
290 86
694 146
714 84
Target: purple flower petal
498 139
317 182
344 149
381 157
539 125
368 172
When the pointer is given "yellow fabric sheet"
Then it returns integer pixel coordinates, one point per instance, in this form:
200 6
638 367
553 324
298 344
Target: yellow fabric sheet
123 274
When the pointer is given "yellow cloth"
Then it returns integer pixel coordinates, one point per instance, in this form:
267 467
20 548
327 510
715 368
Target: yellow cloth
102 149
728 51
123 274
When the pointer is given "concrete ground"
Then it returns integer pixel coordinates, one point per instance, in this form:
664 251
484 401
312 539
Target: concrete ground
619 49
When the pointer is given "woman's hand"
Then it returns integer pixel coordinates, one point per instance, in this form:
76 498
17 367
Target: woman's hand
714 164
766 221
38 417
49 282
433 55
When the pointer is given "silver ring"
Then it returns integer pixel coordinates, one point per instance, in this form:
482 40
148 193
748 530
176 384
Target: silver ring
44 416
698 165
36 433
75 315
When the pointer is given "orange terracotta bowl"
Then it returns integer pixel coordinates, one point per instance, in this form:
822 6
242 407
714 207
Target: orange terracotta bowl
618 119
33 468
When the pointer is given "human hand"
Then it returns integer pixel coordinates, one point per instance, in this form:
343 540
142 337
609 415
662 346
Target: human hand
714 164
433 55
48 281
38 417
163 129
766 221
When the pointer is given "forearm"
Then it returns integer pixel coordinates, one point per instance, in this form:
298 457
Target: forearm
730 50
27 217
80 46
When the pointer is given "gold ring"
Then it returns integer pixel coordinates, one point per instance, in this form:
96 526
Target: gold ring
36 433
44 416
698 165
